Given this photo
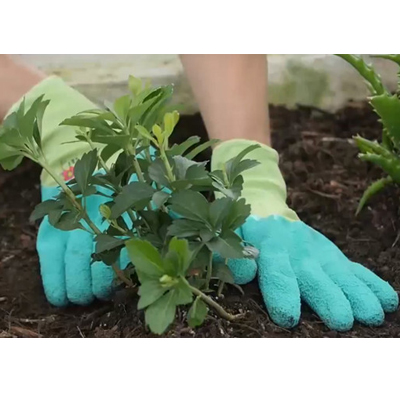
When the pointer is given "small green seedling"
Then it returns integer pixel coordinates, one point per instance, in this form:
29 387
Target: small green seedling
385 154
154 200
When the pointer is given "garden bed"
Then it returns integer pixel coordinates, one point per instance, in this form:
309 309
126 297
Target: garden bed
325 181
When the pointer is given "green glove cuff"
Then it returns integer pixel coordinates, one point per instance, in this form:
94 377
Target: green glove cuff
264 188
65 102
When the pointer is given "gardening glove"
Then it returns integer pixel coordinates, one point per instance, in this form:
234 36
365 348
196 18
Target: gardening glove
296 262
65 257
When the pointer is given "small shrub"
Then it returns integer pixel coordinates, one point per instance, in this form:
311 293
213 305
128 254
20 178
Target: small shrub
154 200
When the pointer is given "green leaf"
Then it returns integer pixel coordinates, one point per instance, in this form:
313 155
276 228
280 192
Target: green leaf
121 106
369 146
84 169
238 213
146 258
388 108
244 165
37 124
135 85
232 166
11 163
366 71
105 243
223 273
390 165
373 189
26 122
145 133
191 205
136 194
185 228
158 173
149 292
180 247
54 216
117 140
197 313
182 164
179 149
161 313
109 151
219 209
192 154
105 211
12 138
40 114
170 121
89 122
11 121
153 115
137 113
227 245
42 209
235 189
183 293
392 57
160 198
10 157
69 221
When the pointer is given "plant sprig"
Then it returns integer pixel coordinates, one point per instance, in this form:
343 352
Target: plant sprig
154 202
386 154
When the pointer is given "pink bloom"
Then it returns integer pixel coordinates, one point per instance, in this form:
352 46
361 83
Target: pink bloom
68 174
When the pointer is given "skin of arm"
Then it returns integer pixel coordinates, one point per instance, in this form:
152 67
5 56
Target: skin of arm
16 79
231 91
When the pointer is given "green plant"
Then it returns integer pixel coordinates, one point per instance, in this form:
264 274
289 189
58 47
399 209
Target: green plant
386 154
154 202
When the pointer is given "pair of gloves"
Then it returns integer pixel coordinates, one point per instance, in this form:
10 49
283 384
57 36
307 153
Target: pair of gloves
296 263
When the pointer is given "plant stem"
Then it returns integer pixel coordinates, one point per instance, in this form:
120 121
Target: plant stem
118 272
209 270
101 161
220 288
220 310
72 197
119 188
164 158
138 170
130 150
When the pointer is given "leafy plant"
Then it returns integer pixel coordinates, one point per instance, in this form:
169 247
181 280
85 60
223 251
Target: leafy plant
386 154
154 200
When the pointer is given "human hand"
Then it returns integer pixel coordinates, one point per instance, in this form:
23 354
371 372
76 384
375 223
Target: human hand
296 262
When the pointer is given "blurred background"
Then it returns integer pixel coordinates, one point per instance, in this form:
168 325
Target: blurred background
322 81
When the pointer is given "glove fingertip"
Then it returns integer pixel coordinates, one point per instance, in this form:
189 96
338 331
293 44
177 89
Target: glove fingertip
285 318
387 296
56 298
244 270
279 288
102 280
51 245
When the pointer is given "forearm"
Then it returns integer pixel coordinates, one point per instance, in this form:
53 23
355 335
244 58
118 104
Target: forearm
231 91
16 79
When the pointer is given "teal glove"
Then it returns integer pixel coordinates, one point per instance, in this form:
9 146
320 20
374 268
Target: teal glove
65 257
296 262
65 260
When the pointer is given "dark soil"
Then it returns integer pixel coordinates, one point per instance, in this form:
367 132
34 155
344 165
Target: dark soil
325 181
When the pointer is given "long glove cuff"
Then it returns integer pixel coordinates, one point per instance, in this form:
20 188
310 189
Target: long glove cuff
264 187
